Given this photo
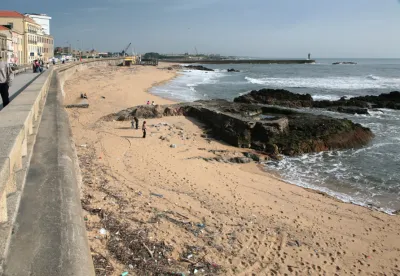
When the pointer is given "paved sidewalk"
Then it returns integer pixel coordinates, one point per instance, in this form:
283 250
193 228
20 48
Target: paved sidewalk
49 234
20 82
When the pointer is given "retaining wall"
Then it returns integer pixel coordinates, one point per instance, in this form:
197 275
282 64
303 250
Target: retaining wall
19 124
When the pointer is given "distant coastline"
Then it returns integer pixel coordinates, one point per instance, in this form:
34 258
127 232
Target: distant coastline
241 61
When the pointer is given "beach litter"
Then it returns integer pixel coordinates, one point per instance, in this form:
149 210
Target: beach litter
157 195
124 273
173 146
201 225
103 231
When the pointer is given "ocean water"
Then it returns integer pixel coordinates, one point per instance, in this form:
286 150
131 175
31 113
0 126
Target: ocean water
366 176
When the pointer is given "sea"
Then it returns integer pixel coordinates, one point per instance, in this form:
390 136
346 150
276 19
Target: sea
368 176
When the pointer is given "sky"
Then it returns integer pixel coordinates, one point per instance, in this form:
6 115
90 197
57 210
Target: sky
256 28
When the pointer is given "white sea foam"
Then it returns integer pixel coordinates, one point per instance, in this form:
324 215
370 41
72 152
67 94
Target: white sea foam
328 97
183 87
310 171
344 83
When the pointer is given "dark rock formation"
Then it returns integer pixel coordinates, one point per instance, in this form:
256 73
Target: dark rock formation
355 105
268 129
233 70
198 67
344 62
350 109
146 112
279 97
386 100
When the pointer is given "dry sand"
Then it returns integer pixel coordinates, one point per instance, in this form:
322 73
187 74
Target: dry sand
213 218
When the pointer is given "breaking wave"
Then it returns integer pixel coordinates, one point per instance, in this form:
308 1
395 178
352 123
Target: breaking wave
343 83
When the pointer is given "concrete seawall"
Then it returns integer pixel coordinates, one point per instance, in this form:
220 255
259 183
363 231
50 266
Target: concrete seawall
42 231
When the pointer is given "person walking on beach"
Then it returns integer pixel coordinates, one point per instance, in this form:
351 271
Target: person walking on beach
6 76
144 129
136 122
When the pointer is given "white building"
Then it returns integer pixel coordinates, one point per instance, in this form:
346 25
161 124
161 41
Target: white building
43 20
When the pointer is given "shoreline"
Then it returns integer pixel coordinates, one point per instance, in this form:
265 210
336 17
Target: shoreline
238 217
336 195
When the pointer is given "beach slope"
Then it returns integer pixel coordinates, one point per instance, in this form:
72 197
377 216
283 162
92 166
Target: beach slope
156 205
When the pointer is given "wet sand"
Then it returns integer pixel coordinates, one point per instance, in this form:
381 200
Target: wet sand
165 209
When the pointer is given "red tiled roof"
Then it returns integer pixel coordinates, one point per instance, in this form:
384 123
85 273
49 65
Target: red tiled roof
2 28
27 18
10 14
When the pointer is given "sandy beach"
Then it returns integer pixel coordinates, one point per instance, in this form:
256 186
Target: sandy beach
155 208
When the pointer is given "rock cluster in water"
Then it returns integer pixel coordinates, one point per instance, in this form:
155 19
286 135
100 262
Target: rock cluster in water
269 129
356 105
344 62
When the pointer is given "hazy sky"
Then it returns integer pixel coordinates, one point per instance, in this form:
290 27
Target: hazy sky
259 28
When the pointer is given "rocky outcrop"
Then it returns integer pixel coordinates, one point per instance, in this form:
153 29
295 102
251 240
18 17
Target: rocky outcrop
232 70
146 112
198 67
344 62
355 105
279 97
272 130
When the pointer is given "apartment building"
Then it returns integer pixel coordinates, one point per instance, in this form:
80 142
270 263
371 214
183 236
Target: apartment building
14 44
3 46
36 40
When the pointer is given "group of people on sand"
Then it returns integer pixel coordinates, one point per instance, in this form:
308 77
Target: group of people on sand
135 124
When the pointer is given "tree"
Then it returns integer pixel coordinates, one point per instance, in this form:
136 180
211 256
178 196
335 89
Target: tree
153 55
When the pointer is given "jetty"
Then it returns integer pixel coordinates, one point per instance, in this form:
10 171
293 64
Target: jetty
241 61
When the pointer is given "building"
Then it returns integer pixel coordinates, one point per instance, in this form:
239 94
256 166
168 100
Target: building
67 50
3 46
14 44
36 42
6 43
18 47
43 20
31 39
15 21
48 48
90 54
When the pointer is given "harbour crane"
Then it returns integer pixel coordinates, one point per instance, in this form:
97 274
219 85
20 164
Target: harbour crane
126 49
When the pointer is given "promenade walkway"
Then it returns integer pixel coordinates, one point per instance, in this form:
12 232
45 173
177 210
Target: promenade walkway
20 82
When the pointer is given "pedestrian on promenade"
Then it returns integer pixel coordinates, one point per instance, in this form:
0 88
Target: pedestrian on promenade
37 66
6 76
136 121
144 128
